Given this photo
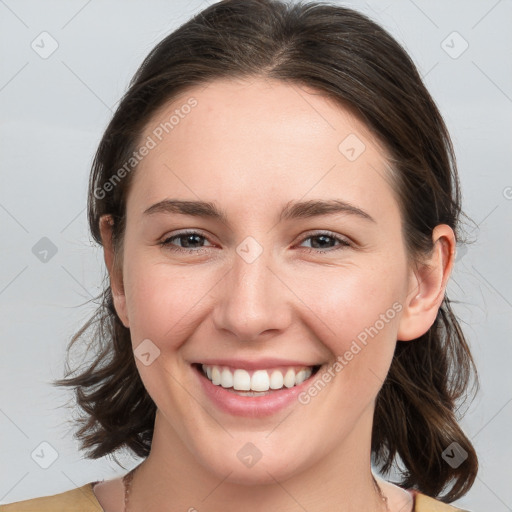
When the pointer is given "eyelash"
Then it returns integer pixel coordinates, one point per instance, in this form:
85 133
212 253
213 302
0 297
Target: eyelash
342 242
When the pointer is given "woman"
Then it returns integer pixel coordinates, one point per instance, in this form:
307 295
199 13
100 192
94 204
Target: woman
278 204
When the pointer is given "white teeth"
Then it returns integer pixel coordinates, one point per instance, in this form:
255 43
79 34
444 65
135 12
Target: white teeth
289 378
241 380
276 380
300 377
226 379
260 380
216 377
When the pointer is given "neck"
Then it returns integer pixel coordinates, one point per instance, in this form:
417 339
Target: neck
172 475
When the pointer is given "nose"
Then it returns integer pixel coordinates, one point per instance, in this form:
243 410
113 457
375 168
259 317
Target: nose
253 299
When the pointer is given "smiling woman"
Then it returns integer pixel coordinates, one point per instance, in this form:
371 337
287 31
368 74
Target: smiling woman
276 315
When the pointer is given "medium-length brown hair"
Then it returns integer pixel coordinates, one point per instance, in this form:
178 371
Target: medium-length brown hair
352 60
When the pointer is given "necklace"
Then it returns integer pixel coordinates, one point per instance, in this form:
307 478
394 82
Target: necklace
383 497
127 481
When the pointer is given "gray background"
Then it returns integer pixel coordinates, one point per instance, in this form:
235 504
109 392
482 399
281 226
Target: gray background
53 112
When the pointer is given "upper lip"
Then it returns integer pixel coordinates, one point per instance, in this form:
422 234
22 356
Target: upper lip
259 364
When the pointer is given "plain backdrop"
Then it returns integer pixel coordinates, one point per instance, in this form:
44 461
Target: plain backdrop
65 65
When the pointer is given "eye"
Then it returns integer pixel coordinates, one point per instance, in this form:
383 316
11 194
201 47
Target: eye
190 242
323 241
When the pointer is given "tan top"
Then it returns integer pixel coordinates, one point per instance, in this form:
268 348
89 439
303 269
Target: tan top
83 499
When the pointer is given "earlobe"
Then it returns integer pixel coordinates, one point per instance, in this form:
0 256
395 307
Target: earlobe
427 286
115 274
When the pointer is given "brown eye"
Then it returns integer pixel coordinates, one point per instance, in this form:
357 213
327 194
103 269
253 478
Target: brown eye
325 242
190 241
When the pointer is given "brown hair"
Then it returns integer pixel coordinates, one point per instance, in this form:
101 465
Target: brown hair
352 60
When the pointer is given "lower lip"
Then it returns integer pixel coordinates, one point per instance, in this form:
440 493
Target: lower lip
251 406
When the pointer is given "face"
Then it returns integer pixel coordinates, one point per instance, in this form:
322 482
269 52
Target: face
268 286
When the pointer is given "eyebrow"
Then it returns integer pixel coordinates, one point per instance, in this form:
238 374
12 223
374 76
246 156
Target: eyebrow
292 210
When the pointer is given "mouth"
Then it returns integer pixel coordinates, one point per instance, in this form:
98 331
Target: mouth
259 382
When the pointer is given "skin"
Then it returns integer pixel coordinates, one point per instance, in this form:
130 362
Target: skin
250 147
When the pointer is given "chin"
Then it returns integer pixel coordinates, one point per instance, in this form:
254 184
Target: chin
256 476
248 466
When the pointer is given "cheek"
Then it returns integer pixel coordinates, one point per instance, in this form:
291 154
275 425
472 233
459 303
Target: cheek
362 318
353 299
160 298
356 316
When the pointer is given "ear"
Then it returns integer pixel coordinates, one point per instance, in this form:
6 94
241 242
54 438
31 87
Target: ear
427 285
115 273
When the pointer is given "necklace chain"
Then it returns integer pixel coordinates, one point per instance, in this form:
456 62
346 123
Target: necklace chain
127 481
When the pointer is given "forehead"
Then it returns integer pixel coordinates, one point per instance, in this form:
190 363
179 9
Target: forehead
259 139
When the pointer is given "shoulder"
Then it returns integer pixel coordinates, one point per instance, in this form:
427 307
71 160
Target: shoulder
81 499
424 503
